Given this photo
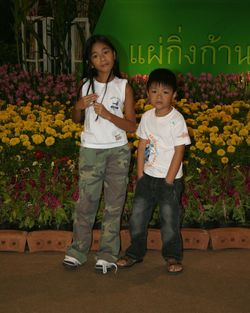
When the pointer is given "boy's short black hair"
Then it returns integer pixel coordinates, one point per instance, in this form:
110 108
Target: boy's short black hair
162 76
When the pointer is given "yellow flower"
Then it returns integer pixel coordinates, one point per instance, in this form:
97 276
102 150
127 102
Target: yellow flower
26 143
140 103
186 110
217 107
136 142
204 106
14 141
208 150
5 140
231 149
26 110
148 107
200 145
66 135
58 122
50 141
50 131
66 128
30 147
226 118
214 129
130 144
224 160
221 152
37 139
243 132
24 137
202 128
202 161
31 117
59 117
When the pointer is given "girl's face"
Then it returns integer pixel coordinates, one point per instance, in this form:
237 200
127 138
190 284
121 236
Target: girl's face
102 57
161 97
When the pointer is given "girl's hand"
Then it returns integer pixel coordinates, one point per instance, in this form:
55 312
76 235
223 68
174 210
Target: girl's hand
86 101
102 111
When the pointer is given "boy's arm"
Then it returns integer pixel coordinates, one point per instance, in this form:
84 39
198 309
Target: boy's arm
141 157
175 163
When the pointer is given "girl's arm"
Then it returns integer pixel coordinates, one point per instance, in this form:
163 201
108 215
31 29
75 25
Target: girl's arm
175 163
141 157
128 122
81 105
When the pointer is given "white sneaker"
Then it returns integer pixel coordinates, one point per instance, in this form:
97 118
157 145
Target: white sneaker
105 266
71 262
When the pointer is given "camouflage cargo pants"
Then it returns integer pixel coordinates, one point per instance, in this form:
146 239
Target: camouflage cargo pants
100 168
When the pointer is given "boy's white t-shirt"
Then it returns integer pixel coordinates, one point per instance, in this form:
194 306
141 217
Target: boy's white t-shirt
101 133
163 134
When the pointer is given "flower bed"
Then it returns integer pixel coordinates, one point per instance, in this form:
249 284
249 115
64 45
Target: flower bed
40 143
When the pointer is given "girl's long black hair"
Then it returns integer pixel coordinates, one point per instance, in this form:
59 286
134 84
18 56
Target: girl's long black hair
89 72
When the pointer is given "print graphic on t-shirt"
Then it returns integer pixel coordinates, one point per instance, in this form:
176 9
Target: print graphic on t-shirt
115 103
150 151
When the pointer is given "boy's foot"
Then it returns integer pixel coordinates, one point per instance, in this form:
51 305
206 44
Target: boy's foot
174 267
126 261
105 266
71 262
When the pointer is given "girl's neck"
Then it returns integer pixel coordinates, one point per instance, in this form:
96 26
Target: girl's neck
104 78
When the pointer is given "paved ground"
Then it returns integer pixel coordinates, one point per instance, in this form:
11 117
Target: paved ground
213 282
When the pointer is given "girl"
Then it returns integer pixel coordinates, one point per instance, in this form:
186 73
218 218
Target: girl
104 153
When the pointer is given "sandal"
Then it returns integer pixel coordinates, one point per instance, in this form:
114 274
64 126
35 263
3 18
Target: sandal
126 261
174 267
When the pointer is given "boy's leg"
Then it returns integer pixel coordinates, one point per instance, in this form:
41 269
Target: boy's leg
115 187
170 213
144 202
91 168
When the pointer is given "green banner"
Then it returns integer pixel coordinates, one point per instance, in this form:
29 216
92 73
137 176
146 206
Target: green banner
184 35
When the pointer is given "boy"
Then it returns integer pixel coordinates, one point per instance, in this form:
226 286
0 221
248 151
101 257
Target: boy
163 135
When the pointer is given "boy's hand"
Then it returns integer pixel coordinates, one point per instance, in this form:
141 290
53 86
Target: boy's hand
169 183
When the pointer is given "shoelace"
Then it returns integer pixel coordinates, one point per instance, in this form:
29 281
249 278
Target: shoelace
105 267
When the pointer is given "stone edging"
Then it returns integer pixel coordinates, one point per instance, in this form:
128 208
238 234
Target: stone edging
193 238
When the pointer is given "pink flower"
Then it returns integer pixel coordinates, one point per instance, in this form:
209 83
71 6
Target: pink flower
75 195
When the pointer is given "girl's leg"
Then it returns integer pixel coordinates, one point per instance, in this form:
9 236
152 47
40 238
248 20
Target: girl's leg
170 213
143 205
91 173
115 187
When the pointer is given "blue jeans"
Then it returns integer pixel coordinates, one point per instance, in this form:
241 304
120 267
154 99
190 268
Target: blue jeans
151 191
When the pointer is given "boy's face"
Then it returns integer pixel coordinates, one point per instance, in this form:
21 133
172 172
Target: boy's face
161 97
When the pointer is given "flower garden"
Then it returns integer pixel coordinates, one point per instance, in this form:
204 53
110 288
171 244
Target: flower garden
39 147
